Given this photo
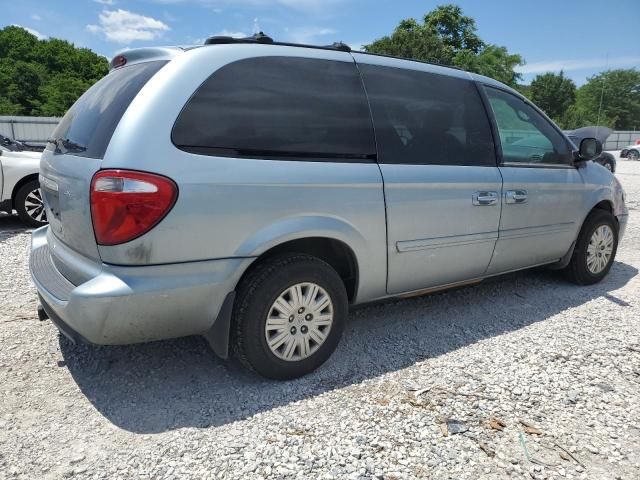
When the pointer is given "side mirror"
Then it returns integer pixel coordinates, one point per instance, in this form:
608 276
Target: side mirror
590 148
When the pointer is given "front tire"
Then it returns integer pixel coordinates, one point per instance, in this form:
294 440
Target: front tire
289 316
595 249
633 155
29 204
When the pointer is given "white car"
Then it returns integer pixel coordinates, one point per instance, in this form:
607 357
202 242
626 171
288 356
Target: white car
632 152
19 186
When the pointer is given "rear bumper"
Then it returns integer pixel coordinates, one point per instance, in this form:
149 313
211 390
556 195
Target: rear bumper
115 305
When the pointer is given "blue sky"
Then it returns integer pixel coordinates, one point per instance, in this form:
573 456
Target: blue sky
581 37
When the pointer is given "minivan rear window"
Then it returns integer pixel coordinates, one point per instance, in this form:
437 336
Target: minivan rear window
279 107
87 127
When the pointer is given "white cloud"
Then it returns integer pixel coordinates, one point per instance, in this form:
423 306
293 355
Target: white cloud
308 34
227 33
37 18
122 26
33 31
105 2
571 65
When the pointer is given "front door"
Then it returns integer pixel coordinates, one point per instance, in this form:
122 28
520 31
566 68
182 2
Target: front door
442 185
542 189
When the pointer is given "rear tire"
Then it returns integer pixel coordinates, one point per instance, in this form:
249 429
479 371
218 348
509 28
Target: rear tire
633 155
289 316
29 204
595 249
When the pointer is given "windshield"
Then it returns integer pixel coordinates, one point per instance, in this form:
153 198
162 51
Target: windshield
87 127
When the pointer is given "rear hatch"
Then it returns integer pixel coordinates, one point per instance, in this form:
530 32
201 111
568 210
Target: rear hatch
78 145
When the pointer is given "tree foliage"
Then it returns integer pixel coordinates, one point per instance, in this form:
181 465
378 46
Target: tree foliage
620 94
554 93
619 91
43 77
448 37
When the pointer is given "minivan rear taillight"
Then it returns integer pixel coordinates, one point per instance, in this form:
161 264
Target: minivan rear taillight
126 204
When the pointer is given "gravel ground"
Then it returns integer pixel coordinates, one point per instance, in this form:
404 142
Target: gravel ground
524 376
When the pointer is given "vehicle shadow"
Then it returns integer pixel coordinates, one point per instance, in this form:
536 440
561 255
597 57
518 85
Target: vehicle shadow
11 225
162 386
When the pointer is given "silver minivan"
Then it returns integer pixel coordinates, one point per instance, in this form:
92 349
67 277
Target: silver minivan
251 191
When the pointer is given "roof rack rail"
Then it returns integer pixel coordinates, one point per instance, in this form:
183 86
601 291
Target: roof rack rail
259 37
262 38
339 46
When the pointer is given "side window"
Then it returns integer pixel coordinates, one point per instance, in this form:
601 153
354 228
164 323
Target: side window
279 107
525 135
426 118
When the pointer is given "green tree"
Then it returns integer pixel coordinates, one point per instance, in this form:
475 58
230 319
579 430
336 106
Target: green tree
43 77
60 92
448 37
492 61
554 93
456 31
619 91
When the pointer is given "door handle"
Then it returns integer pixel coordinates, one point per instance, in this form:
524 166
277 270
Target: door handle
485 198
515 196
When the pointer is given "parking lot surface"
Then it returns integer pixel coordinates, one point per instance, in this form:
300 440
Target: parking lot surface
522 376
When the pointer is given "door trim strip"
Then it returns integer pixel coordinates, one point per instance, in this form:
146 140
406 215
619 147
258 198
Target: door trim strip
443 242
537 231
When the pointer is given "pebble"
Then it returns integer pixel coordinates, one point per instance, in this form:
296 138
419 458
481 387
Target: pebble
173 410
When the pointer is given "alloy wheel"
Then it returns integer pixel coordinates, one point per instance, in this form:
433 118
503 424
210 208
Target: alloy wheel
34 206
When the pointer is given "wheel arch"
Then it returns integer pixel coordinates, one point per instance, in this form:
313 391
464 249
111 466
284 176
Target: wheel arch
604 204
19 184
338 254
331 239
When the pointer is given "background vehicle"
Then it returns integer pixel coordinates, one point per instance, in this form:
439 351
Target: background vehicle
19 187
632 152
236 191
606 159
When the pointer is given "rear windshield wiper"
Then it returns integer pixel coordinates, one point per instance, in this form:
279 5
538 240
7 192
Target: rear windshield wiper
67 145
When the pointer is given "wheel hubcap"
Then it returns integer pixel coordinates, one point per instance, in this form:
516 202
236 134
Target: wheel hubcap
34 206
299 322
600 249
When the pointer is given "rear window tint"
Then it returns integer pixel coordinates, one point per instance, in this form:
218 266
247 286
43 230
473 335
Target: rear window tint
428 119
279 107
89 124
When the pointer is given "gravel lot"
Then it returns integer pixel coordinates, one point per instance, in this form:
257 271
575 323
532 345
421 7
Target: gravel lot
556 364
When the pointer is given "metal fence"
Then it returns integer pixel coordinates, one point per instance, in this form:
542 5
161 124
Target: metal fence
33 130
37 130
620 139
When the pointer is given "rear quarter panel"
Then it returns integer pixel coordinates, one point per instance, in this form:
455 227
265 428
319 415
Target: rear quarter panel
231 207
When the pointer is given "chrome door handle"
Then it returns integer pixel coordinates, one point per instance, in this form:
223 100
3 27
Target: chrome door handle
485 198
515 196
